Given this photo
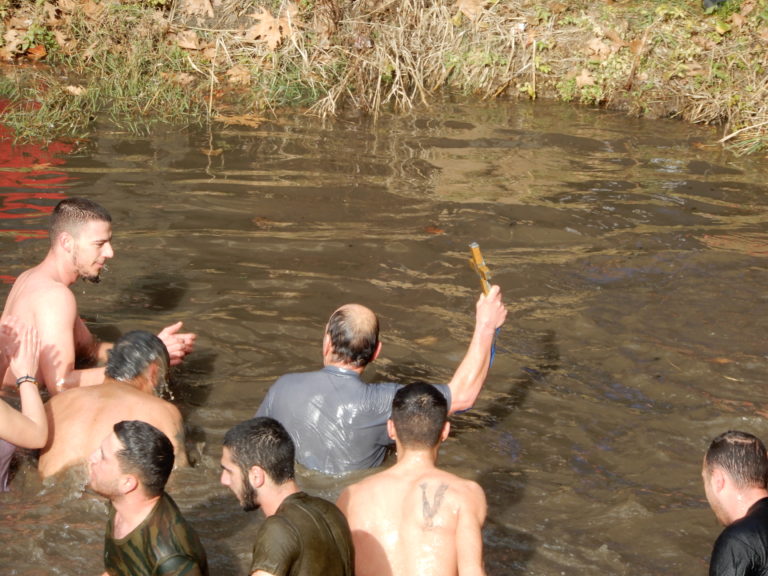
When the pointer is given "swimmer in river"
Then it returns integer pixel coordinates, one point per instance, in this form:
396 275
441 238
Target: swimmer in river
302 534
735 473
342 424
146 533
414 518
80 418
81 244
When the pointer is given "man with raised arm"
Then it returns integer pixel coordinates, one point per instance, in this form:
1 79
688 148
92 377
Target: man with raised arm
146 533
81 243
414 518
302 535
136 372
735 474
28 428
337 421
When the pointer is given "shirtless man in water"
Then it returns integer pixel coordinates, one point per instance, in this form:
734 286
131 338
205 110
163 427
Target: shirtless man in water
79 419
81 244
414 518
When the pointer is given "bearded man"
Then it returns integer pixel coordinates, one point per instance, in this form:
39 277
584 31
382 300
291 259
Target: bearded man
81 243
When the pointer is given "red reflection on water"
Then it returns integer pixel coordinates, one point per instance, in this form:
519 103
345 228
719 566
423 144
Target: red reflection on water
27 169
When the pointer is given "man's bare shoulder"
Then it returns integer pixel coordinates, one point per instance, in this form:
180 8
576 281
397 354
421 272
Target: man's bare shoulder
34 290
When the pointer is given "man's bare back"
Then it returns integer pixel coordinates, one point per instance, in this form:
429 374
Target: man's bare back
413 518
80 418
408 520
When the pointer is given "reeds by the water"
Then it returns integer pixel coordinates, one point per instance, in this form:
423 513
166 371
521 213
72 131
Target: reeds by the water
191 61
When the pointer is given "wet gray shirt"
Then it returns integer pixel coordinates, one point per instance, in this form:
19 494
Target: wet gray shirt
337 421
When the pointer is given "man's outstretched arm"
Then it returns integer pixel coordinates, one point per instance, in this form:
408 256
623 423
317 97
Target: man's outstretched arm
469 377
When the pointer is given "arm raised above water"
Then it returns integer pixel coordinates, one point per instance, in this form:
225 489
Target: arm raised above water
467 381
28 428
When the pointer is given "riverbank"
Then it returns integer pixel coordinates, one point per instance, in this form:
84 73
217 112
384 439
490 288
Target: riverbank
234 61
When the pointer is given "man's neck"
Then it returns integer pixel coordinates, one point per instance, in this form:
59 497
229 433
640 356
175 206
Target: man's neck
130 512
56 267
743 500
271 498
345 366
422 458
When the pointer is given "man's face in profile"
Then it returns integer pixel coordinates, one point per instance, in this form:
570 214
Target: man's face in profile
234 477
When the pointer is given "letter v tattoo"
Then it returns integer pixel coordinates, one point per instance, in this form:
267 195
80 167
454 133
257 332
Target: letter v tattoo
430 510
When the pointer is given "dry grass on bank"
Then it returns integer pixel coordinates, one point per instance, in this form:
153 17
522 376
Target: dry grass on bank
196 60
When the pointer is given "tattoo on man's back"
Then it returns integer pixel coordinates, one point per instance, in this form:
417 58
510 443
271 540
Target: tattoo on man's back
430 510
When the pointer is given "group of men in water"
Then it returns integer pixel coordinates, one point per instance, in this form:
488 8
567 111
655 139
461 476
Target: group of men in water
410 518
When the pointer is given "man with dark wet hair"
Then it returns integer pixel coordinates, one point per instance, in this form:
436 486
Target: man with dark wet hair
337 421
302 534
414 518
81 244
146 534
735 474
79 418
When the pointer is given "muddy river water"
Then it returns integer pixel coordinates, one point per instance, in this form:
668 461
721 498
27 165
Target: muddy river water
632 257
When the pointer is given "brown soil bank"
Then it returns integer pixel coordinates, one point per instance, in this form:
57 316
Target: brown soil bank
190 61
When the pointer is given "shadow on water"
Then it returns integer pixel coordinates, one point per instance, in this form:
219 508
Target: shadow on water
158 291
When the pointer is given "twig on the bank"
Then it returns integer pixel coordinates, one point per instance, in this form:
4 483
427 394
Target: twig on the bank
740 130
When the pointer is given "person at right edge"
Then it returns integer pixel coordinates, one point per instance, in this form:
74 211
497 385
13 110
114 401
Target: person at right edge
735 473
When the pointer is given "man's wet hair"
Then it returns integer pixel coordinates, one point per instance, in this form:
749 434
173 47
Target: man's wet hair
146 452
742 456
262 442
354 335
133 352
419 412
71 213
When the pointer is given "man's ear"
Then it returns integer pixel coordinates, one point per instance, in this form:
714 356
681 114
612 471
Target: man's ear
377 351
391 429
446 431
718 480
128 483
327 348
151 376
66 241
257 476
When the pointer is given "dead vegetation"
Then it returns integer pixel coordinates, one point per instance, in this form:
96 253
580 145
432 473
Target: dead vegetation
188 61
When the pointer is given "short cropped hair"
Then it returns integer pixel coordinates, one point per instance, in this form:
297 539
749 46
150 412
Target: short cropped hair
419 412
133 352
262 442
71 213
742 456
354 336
146 452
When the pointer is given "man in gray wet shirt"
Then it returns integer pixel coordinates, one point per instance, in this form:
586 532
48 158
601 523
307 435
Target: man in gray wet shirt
338 422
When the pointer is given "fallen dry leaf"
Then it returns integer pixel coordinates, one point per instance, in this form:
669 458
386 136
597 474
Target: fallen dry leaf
180 78
585 79
598 47
268 29
75 90
188 40
239 74
13 39
198 8
66 44
36 52
472 9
